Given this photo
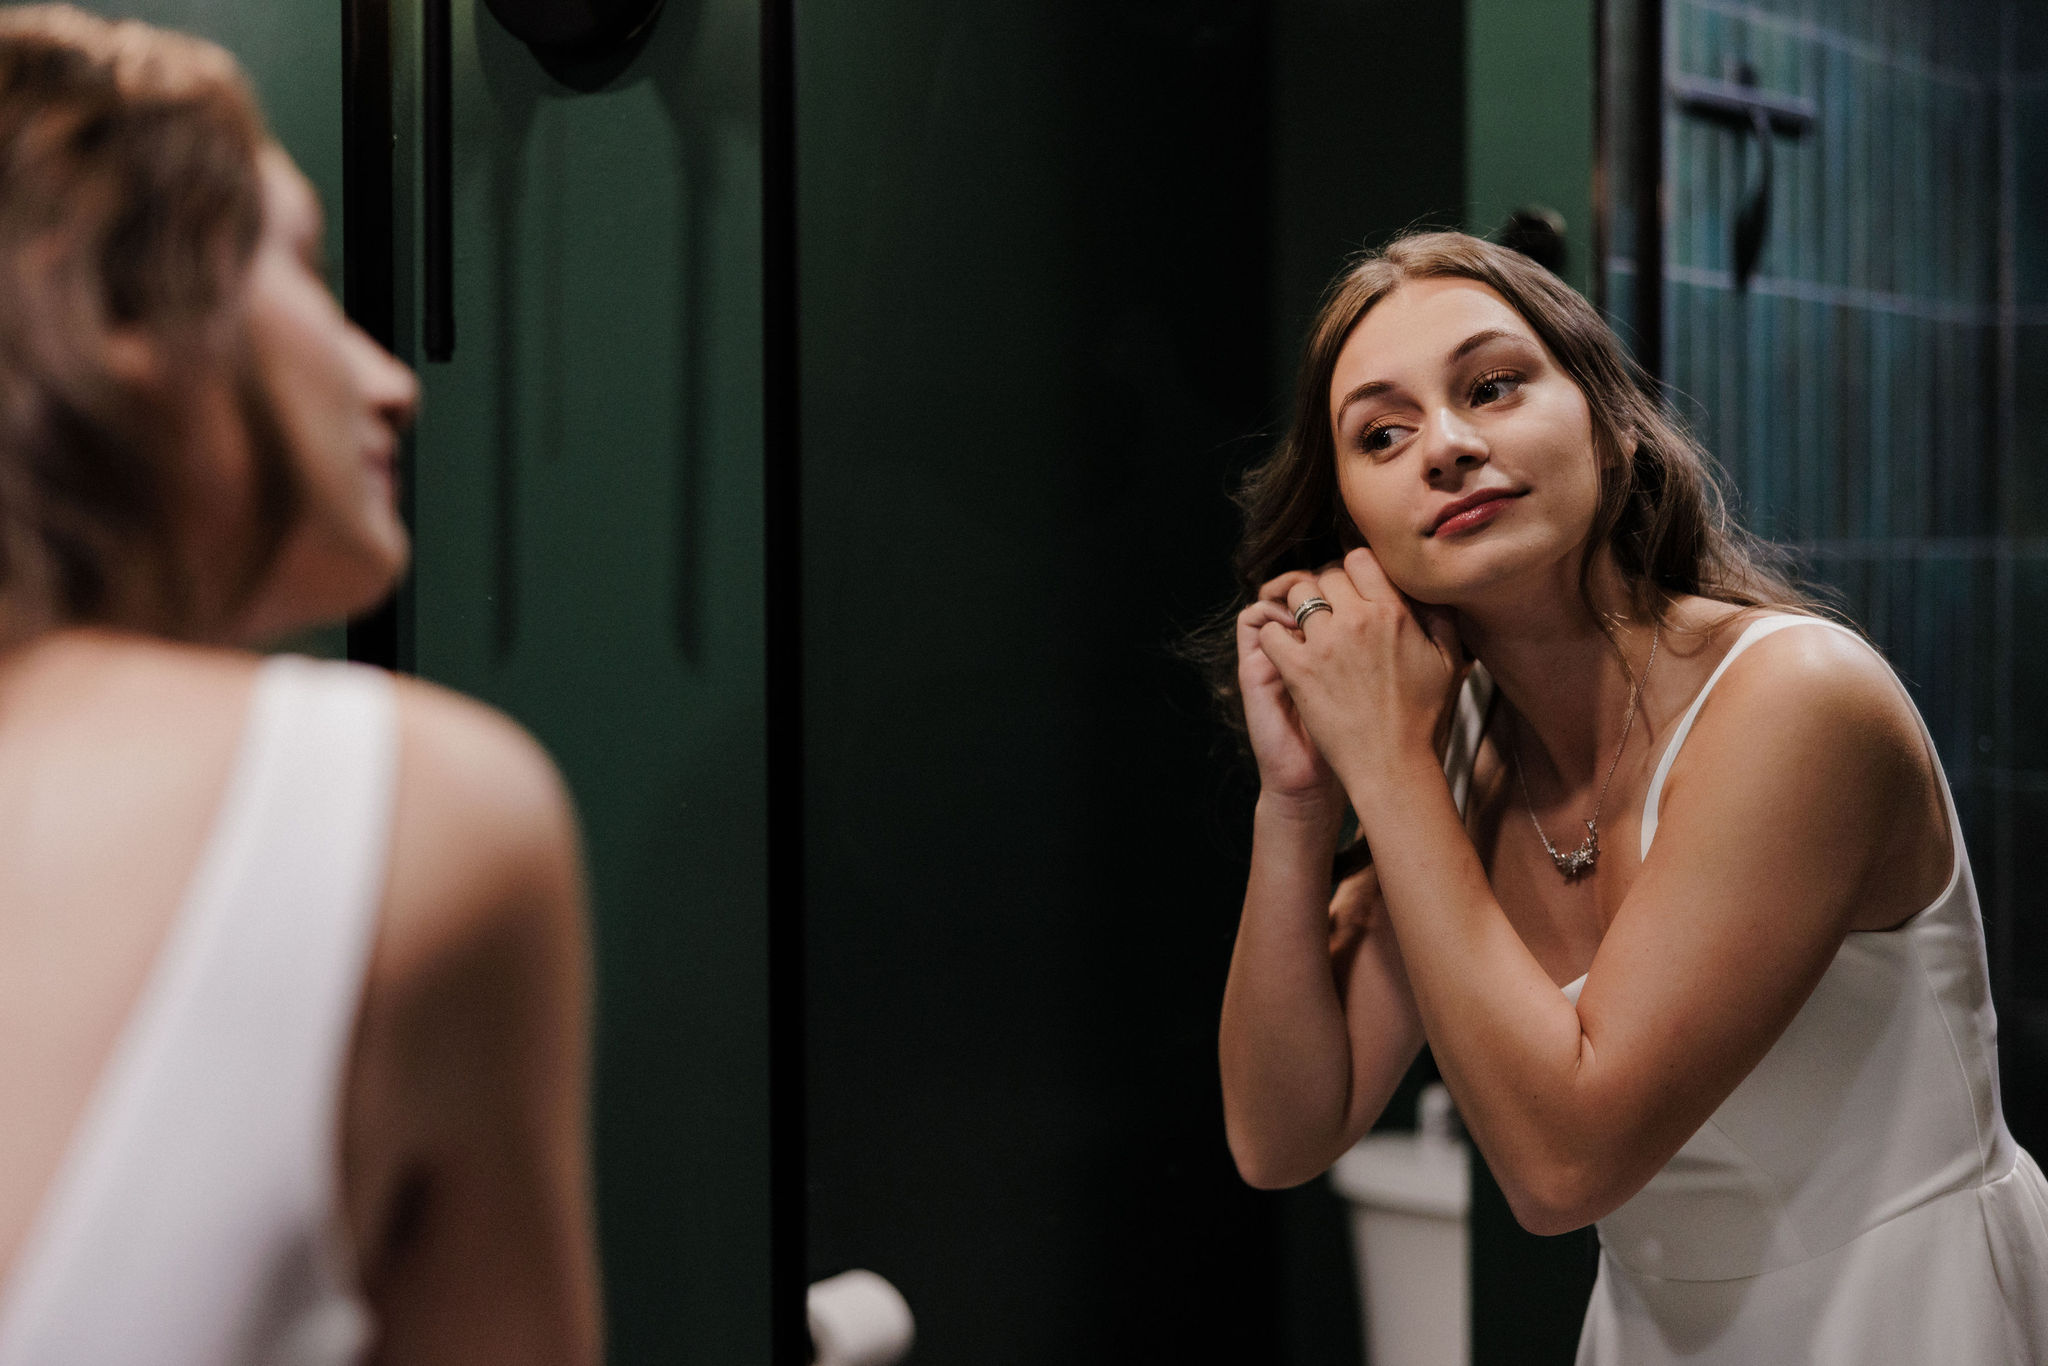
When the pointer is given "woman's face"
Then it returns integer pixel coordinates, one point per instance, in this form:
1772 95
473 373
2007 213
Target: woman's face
337 402
1464 452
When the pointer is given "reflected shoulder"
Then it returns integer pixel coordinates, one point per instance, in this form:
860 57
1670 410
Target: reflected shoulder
484 838
482 773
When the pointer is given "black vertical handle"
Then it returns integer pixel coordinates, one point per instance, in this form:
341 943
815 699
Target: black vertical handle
1753 220
437 189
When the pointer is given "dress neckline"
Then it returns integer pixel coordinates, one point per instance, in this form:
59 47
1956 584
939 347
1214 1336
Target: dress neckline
216 864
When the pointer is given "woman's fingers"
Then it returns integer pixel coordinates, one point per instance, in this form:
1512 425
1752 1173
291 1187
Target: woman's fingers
1254 665
1362 568
1280 644
1338 590
1276 589
1304 589
1261 613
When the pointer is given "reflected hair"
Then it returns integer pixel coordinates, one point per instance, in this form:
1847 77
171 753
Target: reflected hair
1661 509
130 207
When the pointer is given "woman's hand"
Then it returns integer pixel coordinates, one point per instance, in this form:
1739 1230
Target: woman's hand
1290 766
1374 675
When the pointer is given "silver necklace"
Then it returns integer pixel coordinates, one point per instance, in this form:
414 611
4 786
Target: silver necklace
1580 861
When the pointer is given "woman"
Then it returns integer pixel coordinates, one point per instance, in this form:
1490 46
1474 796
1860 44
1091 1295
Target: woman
292 962
1700 956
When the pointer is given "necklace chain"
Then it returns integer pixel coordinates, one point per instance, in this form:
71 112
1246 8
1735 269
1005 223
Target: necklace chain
1577 862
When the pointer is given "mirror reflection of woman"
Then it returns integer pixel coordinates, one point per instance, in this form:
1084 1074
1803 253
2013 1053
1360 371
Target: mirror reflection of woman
293 1036
1663 866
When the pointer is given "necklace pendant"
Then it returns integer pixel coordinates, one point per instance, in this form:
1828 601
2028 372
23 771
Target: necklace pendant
1579 861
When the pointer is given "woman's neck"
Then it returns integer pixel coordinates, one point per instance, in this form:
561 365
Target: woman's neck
1558 670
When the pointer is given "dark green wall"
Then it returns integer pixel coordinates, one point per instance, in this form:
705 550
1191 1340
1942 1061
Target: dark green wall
1050 256
1368 139
1033 310
1529 73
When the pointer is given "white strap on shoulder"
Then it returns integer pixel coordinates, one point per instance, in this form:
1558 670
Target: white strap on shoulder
1468 728
1751 634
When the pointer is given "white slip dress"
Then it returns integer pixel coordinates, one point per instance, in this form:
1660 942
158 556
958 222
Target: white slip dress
1856 1200
195 1219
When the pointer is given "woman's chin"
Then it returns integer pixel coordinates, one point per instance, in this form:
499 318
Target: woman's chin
1499 572
310 591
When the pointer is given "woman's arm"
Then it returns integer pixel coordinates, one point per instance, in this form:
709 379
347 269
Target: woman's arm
467 1140
1776 825
1317 1027
1318 1023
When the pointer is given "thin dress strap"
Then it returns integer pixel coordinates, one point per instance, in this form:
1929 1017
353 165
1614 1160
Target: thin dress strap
1751 634
1468 730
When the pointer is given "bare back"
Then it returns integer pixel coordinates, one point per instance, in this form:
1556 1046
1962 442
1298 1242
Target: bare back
113 759
462 1178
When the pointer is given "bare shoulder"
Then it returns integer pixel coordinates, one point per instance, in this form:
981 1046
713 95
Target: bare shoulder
484 889
1813 688
487 774
1812 737
465 1151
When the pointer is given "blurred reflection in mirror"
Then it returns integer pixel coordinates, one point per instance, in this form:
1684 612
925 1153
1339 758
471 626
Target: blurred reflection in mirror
292 955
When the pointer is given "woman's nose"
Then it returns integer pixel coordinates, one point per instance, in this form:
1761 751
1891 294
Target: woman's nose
392 388
1453 444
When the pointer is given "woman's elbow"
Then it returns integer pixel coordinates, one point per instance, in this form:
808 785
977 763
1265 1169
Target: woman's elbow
1264 1167
1277 1177
1559 1195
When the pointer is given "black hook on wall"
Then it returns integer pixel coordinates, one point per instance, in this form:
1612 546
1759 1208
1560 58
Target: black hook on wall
1739 105
575 30
583 28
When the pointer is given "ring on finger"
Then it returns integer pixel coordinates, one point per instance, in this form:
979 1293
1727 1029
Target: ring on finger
1309 607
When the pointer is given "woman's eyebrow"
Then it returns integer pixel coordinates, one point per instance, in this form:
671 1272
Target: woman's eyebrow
1481 338
1369 389
1375 387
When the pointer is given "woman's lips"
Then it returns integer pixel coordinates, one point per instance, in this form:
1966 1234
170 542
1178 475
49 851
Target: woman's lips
1478 515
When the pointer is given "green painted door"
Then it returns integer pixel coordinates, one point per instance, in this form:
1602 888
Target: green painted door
587 498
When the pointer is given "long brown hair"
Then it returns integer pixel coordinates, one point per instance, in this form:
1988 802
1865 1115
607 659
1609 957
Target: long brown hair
1661 509
130 203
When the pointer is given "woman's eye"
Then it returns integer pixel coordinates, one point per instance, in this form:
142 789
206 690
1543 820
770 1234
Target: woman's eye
1379 438
1492 388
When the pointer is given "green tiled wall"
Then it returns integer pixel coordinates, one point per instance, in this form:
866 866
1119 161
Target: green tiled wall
1870 393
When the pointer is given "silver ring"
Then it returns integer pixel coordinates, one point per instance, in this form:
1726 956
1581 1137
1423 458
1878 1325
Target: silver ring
1309 607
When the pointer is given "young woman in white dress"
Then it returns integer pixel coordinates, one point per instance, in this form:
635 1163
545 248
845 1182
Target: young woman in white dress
293 972
1690 929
